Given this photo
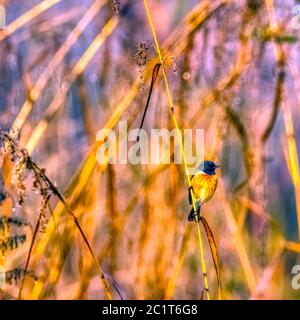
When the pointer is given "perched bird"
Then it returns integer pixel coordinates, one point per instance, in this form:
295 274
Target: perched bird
204 183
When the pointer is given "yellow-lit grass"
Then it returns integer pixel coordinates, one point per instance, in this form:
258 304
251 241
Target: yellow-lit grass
77 70
78 183
291 154
290 149
27 17
171 106
43 79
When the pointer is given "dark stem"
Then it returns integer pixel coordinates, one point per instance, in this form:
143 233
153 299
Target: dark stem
154 77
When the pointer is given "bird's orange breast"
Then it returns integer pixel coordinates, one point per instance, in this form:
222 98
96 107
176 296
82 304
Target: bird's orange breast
204 186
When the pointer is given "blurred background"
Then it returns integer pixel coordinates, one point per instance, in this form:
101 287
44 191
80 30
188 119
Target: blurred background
69 69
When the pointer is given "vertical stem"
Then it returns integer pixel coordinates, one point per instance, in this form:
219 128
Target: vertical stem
292 154
181 144
111 211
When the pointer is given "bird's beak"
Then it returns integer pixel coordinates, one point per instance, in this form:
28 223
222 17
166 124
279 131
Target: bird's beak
218 166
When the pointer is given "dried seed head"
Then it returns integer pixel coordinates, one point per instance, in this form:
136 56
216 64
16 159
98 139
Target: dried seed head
7 222
115 4
141 60
141 55
41 185
8 142
11 243
19 178
43 212
17 274
169 62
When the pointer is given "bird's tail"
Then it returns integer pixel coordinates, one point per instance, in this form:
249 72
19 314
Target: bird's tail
192 214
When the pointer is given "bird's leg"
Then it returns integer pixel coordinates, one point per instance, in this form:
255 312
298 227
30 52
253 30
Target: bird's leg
192 214
190 194
198 207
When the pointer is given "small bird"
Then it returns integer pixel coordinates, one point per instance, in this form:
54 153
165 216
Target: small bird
204 183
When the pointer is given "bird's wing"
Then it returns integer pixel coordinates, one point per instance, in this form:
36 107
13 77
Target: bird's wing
204 187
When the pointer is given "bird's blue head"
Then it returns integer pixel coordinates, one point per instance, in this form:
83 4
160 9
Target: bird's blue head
208 167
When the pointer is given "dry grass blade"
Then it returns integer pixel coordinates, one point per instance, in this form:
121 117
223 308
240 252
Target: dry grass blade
214 253
292 246
42 179
154 77
77 70
174 119
27 17
291 153
239 243
36 229
41 82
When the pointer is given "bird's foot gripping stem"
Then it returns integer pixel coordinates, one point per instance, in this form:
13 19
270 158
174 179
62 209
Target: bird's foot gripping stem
193 214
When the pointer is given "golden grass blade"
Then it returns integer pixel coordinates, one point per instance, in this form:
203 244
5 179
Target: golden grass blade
27 17
292 246
171 106
46 188
76 71
238 242
50 24
291 153
61 19
178 264
214 253
43 79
